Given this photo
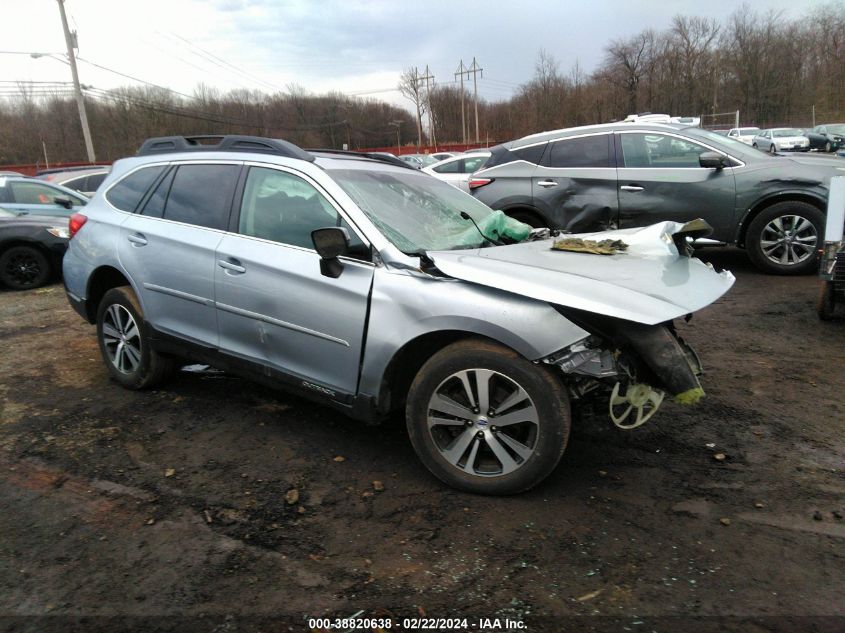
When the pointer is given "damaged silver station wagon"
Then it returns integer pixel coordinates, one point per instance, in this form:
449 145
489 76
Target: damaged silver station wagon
375 288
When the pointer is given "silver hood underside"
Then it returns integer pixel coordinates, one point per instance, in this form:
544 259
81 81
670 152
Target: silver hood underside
650 283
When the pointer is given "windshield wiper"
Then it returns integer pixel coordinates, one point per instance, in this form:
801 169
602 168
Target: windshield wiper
467 216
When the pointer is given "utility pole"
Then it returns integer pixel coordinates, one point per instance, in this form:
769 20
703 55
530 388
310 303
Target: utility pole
398 125
474 69
428 76
462 71
80 102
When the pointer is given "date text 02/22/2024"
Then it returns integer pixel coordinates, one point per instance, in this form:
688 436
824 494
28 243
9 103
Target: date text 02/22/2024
484 625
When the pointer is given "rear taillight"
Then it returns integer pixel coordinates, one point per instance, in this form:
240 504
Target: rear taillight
76 222
475 183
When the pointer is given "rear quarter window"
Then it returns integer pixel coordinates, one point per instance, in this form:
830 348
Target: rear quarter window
127 193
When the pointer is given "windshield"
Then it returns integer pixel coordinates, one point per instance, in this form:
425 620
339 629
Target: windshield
415 211
748 131
839 128
726 143
786 132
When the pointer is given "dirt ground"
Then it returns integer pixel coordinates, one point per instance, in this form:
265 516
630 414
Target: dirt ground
643 530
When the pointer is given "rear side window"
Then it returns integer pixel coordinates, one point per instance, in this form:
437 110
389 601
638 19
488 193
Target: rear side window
155 205
94 182
77 183
586 151
127 193
452 167
474 164
532 154
202 195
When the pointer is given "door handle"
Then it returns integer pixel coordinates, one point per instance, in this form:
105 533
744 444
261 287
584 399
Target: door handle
137 239
232 266
547 183
634 188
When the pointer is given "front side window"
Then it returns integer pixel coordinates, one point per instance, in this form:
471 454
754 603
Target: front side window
659 150
202 195
284 208
127 193
34 193
586 151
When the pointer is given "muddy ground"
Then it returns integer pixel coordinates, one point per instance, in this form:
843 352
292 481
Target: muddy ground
629 533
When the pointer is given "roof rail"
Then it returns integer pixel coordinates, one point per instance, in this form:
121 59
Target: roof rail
380 157
219 143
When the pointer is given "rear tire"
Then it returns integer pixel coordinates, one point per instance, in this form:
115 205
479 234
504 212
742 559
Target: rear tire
485 420
24 267
125 342
784 238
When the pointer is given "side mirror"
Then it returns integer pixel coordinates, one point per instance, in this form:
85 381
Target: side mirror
712 160
63 201
330 243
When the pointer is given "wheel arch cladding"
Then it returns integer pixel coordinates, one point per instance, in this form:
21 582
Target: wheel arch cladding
765 203
102 280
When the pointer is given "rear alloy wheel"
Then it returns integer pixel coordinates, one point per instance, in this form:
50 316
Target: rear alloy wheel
24 267
784 239
483 419
124 343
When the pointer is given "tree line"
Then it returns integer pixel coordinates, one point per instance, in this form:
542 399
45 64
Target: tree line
775 71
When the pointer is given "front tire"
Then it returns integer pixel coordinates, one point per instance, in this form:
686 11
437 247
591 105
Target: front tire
24 267
485 420
828 147
529 218
826 303
784 238
125 343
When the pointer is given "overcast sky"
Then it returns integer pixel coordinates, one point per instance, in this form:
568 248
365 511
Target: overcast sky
356 47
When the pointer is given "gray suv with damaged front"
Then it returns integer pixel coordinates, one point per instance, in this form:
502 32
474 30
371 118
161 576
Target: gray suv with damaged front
373 288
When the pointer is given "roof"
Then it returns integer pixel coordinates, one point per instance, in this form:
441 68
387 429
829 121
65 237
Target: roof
553 135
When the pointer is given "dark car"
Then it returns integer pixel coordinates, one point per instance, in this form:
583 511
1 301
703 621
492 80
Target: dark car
629 174
20 193
31 248
827 138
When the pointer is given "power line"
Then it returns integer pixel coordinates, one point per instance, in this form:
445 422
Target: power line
117 72
224 64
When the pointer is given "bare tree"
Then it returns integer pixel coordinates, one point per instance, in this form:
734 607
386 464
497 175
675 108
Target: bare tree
411 87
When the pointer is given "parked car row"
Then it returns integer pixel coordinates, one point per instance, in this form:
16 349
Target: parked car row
824 138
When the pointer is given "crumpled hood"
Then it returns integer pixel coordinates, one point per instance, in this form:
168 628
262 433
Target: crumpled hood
650 283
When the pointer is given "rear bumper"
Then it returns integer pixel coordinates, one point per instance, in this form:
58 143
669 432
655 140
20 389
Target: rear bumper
78 304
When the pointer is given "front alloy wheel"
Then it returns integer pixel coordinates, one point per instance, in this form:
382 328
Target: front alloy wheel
474 434
484 419
789 240
784 239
